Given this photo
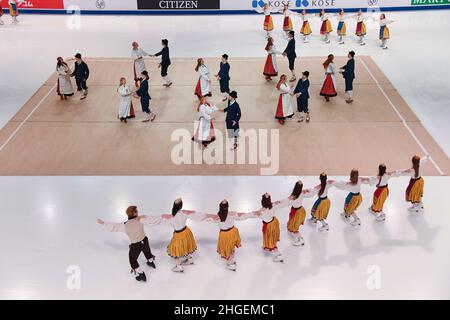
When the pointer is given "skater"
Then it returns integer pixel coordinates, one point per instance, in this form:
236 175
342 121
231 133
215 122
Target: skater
14 10
134 229
354 198
297 214
205 131
284 106
268 22
81 74
348 71
203 88
290 53
301 92
360 27
321 207
224 77
271 67
64 85
384 30
329 85
381 193
326 27
165 62
126 110
271 225
143 94
414 191
1 15
138 62
306 27
342 27
287 21
229 239
233 112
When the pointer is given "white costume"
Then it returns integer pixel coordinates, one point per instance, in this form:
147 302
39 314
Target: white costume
273 52
139 63
124 92
331 70
205 130
204 82
64 83
284 108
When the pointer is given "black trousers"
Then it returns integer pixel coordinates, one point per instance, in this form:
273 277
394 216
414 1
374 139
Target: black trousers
224 85
135 251
164 68
81 84
348 84
291 63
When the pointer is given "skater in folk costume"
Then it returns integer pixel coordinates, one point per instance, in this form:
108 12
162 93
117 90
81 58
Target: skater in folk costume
126 109
205 131
287 21
165 62
233 112
306 27
81 74
381 192
224 77
284 106
290 53
138 62
326 27
134 229
14 10
321 207
360 27
268 22
143 94
342 27
354 198
229 238
203 88
1 15
414 191
384 30
301 92
271 66
348 71
297 214
329 85
64 85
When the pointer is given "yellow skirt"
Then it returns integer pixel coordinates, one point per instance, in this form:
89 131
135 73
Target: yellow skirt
306 29
321 208
268 23
287 24
342 29
271 234
379 197
182 244
296 219
352 202
414 192
228 241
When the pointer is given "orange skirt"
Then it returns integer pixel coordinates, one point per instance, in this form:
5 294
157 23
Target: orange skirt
268 23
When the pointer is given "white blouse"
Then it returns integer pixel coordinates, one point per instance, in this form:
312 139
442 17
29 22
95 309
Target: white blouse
267 215
308 193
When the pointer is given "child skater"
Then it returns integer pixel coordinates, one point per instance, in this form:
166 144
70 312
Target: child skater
297 214
203 88
342 27
165 62
134 229
284 107
271 225
14 10
64 85
381 192
144 95
348 71
326 28
321 207
81 74
224 77
268 22
126 109
329 85
360 27
414 191
205 133
229 239
271 67
306 27
287 21
139 66
301 92
354 198
384 30
233 111
290 53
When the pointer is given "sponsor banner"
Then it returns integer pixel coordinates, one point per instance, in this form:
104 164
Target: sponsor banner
429 2
178 4
102 5
37 4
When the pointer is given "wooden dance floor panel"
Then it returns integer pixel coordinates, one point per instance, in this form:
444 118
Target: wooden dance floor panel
84 137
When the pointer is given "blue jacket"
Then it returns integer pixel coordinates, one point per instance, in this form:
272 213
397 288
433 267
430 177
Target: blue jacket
224 72
143 91
290 49
233 112
165 58
302 87
349 69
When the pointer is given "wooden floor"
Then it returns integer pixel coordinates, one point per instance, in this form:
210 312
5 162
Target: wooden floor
51 137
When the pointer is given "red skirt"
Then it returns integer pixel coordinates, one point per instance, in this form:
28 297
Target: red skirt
280 112
328 89
269 69
198 89
287 24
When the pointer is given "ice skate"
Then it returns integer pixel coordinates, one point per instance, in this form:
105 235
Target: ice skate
298 241
356 222
141 277
178 268
312 220
231 267
278 258
188 262
381 217
151 264
324 227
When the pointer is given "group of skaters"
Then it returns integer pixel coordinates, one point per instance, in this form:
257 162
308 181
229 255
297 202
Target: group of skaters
13 11
183 244
326 27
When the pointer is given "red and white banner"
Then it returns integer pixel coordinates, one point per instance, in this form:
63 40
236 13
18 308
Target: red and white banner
37 4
